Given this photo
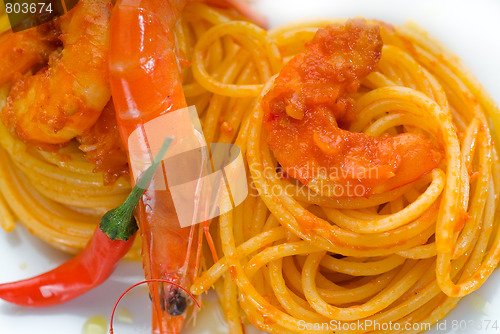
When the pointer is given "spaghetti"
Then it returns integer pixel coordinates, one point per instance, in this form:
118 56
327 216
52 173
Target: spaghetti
289 255
365 258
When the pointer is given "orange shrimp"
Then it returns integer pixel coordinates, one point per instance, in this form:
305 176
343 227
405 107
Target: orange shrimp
66 98
146 83
309 103
25 50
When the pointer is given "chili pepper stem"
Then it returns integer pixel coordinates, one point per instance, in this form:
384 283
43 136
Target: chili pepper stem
119 223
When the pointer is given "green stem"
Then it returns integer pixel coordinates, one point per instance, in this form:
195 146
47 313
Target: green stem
119 223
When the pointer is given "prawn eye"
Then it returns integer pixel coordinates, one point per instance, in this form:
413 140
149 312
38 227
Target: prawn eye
176 305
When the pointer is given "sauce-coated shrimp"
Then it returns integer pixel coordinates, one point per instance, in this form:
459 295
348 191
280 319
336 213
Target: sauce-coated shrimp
308 103
66 98
25 50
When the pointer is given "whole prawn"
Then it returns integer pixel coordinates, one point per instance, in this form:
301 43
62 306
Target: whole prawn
141 93
308 105
146 83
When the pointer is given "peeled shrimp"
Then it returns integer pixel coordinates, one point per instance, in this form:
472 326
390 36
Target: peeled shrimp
308 107
66 98
25 50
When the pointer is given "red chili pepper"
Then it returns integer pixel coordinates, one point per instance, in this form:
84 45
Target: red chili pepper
111 241
88 269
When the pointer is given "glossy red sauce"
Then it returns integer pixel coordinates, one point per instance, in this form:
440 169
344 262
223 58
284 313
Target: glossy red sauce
107 153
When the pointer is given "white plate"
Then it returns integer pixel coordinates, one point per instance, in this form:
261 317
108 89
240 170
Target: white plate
469 28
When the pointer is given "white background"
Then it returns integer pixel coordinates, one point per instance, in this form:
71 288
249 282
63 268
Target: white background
469 28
